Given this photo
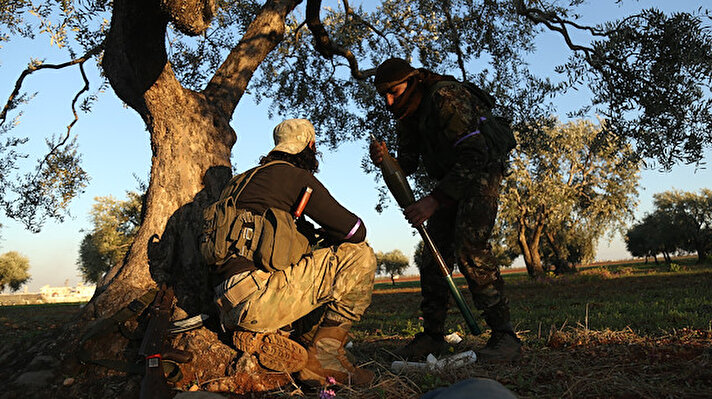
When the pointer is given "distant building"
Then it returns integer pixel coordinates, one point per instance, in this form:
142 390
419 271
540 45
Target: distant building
80 293
47 294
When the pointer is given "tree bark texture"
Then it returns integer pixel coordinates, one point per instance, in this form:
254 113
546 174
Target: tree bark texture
191 140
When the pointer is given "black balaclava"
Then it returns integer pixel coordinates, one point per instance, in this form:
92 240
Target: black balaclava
409 101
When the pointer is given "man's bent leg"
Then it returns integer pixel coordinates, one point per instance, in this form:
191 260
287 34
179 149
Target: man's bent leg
354 270
347 300
341 278
273 350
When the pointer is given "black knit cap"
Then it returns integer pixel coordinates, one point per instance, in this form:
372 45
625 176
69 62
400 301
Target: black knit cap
392 72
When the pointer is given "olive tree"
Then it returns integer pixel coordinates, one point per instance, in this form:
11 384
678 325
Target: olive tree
690 216
392 263
114 225
184 66
565 190
655 234
13 270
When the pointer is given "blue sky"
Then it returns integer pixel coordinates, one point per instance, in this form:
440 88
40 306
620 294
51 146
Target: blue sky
115 147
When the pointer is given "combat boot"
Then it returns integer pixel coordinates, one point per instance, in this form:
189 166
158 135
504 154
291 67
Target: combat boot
327 358
503 346
421 346
274 351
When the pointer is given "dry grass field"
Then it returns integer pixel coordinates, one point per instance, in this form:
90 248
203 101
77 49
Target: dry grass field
612 331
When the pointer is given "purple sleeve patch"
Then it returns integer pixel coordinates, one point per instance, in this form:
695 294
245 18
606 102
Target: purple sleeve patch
465 137
354 229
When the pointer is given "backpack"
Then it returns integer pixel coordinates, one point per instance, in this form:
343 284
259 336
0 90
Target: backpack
271 239
496 130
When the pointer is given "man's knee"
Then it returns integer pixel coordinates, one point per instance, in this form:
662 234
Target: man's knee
487 296
480 268
360 254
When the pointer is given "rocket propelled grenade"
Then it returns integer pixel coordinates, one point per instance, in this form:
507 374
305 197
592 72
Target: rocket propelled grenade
395 180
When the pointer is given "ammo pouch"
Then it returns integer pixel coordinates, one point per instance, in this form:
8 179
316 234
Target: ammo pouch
271 240
280 243
227 231
238 287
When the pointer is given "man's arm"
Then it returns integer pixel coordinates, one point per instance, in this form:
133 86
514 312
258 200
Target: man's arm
338 222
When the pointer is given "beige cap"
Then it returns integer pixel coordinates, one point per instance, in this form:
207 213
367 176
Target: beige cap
293 135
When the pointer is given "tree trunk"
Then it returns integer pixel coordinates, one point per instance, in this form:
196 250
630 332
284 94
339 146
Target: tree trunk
530 251
561 264
701 252
564 267
191 140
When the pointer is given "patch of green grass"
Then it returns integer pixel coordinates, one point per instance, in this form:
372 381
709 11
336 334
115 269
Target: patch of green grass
646 303
647 298
398 285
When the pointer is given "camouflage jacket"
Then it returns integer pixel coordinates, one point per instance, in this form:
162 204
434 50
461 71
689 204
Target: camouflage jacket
439 133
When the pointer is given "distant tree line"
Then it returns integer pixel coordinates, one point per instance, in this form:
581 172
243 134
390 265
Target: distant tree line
681 222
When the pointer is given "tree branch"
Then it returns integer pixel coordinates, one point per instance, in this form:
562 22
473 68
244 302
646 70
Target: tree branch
554 23
36 66
326 47
262 36
63 141
455 39
349 11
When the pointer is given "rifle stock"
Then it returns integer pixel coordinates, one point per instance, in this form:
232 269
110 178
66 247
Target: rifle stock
154 384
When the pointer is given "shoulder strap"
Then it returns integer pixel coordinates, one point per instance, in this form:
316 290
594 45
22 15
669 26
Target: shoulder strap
437 86
240 181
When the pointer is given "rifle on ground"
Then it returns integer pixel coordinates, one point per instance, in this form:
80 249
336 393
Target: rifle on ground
398 185
158 357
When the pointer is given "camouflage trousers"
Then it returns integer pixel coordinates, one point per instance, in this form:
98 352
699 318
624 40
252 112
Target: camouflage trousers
338 278
467 244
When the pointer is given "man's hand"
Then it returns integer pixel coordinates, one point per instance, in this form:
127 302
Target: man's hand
377 151
421 210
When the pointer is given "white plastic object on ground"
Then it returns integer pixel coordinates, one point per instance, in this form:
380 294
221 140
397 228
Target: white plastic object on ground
453 339
431 363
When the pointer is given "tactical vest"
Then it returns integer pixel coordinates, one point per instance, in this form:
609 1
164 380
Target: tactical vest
271 239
